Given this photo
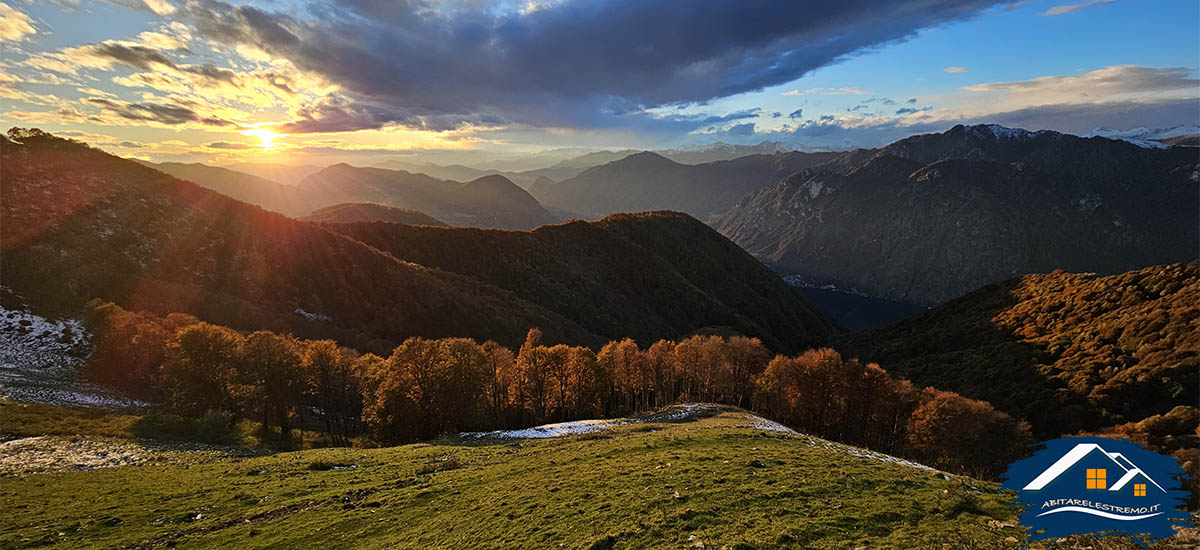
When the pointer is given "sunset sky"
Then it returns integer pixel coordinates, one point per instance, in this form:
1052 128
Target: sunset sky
470 80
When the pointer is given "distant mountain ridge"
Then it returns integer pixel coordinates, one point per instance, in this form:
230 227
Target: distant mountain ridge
245 187
487 201
650 181
930 217
490 201
285 174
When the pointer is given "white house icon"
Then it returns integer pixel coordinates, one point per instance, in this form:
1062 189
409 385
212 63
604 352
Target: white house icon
1131 471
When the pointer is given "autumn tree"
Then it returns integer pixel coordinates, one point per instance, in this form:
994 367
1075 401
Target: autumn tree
334 386
623 361
200 366
954 433
591 385
461 384
502 380
533 366
746 357
270 368
660 362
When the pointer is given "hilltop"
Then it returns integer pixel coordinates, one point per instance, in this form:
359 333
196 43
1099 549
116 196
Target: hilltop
662 481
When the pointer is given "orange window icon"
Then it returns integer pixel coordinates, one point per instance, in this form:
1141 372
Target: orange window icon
1097 478
1139 489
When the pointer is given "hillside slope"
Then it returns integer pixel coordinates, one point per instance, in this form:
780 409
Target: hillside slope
490 201
82 224
370 212
239 185
1066 351
658 482
648 276
932 217
649 181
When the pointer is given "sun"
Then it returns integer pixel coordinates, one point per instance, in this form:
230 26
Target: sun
264 135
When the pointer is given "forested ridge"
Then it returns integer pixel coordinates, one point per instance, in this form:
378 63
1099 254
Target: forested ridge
645 276
1066 351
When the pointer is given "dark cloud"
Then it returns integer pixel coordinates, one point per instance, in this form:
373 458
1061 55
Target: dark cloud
910 110
141 57
746 129
230 146
776 114
154 112
911 101
211 72
798 113
569 64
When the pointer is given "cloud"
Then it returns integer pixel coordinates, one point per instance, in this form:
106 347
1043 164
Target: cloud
911 100
111 52
557 64
1068 8
954 69
746 129
798 113
158 7
169 115
1110 97
851 90
230 146
1106 84
15 25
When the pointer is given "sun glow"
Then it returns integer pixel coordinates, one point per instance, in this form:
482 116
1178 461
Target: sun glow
264 135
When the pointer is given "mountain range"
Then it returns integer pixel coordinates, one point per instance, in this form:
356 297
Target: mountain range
240 185
489 201
83 224
931 217
650 181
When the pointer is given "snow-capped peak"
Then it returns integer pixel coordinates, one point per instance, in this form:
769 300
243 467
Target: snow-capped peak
1146 137
1002 133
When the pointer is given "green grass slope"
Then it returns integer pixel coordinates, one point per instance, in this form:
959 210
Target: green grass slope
711 481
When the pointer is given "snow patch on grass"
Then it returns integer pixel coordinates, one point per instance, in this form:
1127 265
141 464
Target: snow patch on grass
549 430
685 411
40 361
51 453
